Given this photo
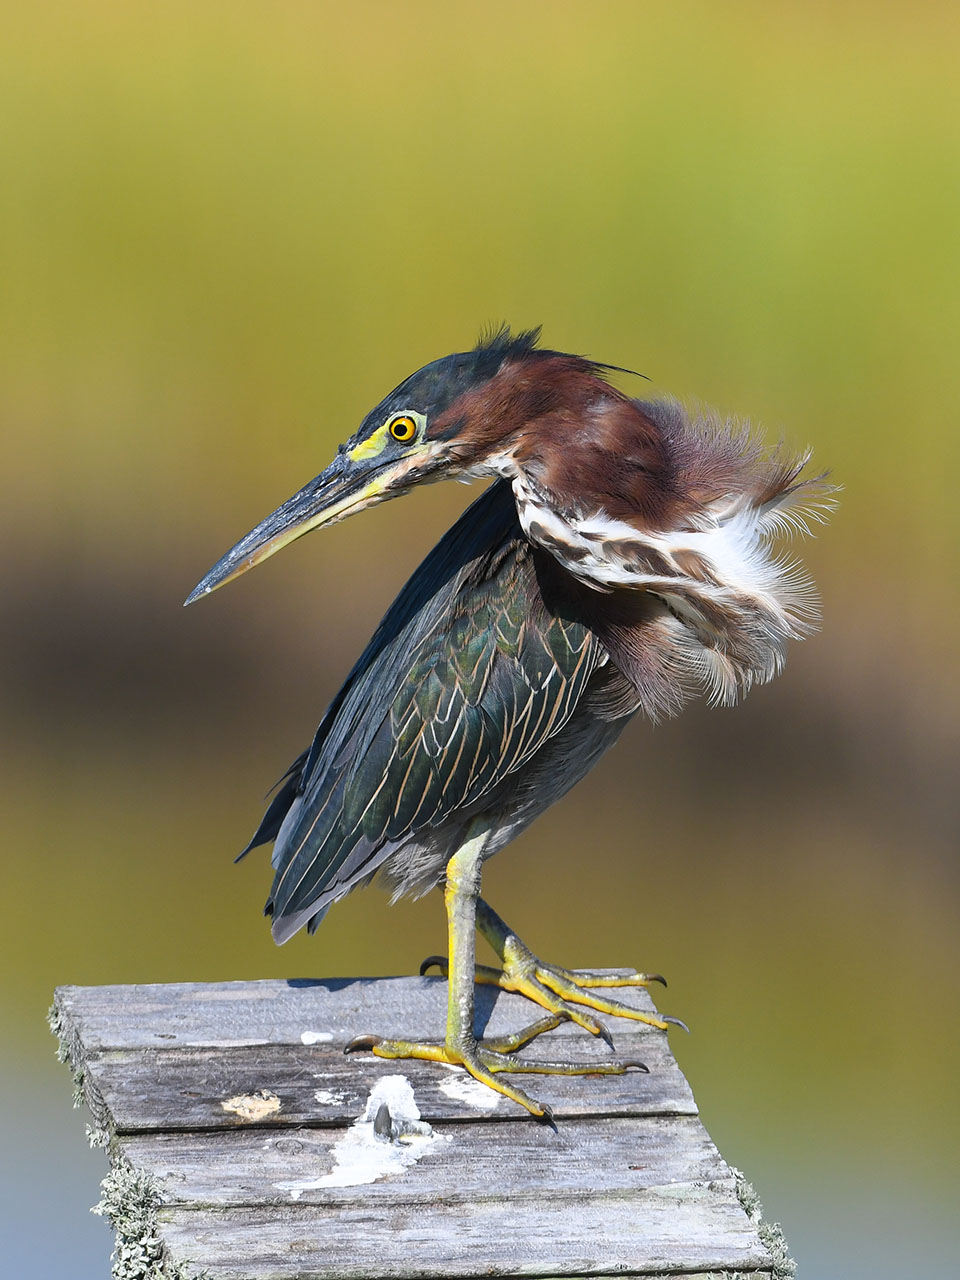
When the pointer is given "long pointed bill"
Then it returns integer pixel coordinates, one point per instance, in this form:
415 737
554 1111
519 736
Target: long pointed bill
335 493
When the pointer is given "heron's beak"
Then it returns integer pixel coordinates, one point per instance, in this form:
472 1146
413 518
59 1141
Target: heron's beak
342 489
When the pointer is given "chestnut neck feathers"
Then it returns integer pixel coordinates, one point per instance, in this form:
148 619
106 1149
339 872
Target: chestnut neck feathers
666 518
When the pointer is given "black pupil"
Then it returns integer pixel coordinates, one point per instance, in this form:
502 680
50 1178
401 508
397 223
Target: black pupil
402 427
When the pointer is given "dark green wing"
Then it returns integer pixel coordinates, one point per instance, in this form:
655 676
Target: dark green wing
466 677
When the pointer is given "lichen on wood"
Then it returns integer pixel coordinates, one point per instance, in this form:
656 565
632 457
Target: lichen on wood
771 1233
129 1200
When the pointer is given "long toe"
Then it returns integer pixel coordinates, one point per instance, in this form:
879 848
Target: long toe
508 1062
553 1001
587 978
510 1043
573 993
478 1061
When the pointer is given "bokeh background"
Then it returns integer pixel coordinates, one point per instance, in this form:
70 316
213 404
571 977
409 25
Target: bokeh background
225 231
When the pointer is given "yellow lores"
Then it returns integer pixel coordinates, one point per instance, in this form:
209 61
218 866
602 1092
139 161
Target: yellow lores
370 447
403 427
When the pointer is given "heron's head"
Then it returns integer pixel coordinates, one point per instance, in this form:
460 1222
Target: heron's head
472 413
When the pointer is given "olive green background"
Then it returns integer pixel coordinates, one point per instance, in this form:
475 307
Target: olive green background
226 230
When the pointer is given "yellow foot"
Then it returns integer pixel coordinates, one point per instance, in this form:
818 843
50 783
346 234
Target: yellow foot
563 992
486 1060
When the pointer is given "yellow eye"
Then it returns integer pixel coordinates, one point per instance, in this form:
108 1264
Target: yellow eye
403 428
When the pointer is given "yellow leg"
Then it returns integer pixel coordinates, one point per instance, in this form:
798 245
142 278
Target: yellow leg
485 1061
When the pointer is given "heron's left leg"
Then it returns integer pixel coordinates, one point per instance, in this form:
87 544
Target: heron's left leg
562 992
485 1061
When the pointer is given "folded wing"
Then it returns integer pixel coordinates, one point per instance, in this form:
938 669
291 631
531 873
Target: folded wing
465 679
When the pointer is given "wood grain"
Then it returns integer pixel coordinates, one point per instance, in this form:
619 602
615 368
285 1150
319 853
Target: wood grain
622 1154
684 1228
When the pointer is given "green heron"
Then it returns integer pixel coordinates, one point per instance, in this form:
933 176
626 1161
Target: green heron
620 561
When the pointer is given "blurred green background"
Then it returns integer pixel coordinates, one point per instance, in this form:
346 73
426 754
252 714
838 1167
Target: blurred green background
226 230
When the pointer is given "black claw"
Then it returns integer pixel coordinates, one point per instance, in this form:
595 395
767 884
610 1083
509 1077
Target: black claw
546 1117
604 1034
361 1042
636 1064
656 977
430 961
675 1022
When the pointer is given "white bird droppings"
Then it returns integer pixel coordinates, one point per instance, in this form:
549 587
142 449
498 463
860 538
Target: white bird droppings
330 1096
315 1037
365 1154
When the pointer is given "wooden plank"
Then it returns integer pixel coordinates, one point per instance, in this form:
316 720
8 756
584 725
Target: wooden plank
238 1014
318 1084
254 1167
172 1057
680 1228
661 1178
235 1107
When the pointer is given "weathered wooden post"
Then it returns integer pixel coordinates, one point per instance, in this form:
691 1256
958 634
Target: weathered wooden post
246 1145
